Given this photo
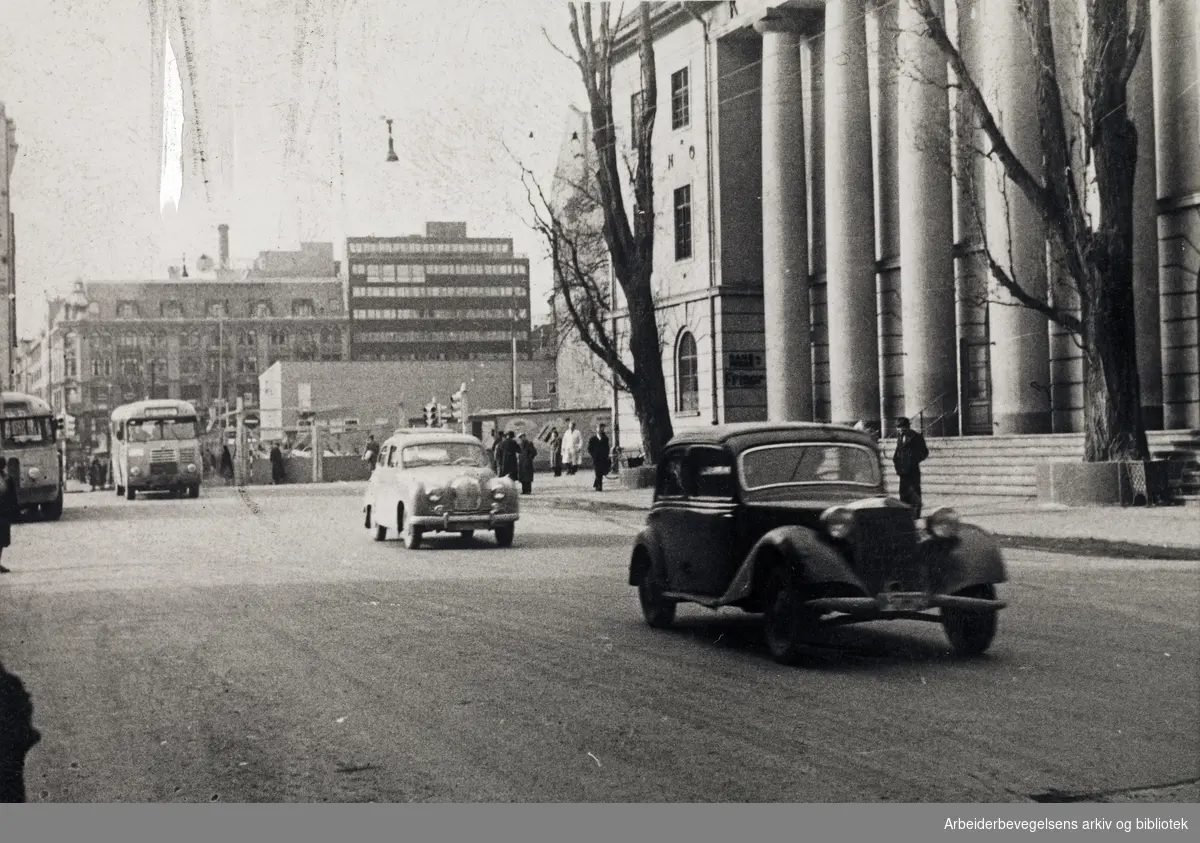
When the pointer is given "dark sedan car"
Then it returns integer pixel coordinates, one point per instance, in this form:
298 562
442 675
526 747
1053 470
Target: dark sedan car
793 520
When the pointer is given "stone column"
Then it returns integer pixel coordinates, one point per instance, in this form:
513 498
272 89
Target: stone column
1174 42
1145 242
786 305
1020 353
813 58
850 219
926 228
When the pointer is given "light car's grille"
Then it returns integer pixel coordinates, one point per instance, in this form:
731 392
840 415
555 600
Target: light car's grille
884 547
467 495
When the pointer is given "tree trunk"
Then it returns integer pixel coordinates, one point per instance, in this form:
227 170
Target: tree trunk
650 390
1113 424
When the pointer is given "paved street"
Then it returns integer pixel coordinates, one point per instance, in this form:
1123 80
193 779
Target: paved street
259 646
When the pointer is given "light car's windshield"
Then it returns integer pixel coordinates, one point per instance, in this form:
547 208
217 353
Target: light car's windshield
808 464
156 430
444 453
23 432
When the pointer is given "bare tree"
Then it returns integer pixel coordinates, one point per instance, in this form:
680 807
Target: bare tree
1095 251
581 271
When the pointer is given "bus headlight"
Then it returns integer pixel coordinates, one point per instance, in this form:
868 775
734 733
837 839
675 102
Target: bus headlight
191 467
135 471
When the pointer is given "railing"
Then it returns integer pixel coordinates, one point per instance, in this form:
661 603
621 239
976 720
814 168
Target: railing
943 412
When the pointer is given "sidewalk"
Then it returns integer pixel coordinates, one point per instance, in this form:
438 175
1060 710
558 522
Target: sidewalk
1171 532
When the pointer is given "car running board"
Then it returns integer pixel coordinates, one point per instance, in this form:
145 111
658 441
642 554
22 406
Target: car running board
853 605
706 600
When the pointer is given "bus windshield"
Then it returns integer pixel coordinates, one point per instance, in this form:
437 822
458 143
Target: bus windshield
157 430
17 433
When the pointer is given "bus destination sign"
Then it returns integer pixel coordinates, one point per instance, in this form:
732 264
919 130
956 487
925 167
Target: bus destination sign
161 413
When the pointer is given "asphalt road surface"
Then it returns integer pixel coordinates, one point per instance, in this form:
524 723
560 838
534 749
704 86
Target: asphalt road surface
260 647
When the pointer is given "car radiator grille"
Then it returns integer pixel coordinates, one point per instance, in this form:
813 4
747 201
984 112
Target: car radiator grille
162 455
467 496
884 551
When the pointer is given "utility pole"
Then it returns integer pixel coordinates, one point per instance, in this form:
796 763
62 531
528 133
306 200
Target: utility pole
239 460
318 451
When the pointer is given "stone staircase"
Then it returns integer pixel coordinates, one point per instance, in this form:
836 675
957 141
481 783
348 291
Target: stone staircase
1005 466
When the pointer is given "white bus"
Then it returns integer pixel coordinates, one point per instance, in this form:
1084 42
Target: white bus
156 448
29 448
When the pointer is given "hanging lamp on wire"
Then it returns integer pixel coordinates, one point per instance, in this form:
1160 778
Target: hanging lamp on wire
392 157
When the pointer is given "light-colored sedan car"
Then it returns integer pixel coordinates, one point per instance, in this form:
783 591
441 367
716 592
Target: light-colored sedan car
433 481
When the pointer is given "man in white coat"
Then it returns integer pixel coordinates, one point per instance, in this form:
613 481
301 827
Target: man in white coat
572 447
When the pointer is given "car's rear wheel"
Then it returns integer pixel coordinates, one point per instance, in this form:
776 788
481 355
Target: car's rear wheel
787 624
658 611
409 532
971 633
380 533
504 535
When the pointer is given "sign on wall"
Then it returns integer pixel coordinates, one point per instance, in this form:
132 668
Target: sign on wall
304 396
745 370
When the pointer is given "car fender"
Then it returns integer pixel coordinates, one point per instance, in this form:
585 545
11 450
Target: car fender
646 555
810 556
973 557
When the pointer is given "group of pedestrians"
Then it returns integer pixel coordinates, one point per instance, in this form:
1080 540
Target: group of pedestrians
513 454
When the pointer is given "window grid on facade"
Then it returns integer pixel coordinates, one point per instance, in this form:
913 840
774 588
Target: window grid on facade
683 222
680 99
687 375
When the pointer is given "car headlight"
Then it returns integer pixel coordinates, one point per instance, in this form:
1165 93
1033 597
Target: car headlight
435 495
192 467
838 521
35 473
135 471
943 522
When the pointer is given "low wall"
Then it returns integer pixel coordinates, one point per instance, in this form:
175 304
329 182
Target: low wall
299 470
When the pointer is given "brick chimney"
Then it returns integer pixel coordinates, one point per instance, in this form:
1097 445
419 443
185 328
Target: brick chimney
223 259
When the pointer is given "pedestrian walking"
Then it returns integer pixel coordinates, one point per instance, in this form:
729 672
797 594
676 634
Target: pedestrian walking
556 456
494 451
17 736
508 456
276 464
10 509
371 454
95 474
572 447
598 450
910 452
528 452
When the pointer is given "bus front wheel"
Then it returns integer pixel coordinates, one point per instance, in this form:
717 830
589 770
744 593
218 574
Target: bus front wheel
130 494
193 491
53 511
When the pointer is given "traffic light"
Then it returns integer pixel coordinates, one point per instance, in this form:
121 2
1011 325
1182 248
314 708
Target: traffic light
456 405
438 409
430 414
442 415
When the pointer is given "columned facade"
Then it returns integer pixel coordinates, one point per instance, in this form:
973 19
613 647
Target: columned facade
855 210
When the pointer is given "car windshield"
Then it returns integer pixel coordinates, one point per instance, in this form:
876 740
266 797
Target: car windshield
808 464
155 430
20 432
444 453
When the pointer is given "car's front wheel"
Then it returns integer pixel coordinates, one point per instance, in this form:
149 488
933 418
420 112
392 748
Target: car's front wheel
409 532
971 633
788 625
504 535
658 611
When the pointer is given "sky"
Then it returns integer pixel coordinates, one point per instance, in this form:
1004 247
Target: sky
474 87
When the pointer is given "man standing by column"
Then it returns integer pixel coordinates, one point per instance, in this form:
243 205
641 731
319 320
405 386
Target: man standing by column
911 451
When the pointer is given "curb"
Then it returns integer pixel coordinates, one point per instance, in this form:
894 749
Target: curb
1011 541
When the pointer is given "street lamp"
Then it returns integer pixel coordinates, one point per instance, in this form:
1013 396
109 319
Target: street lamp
392 157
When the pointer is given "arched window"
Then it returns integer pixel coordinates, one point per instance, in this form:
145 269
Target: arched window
687 378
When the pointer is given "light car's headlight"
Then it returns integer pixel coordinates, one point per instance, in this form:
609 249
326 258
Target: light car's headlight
137 452
192 467
435 495
943 522
135 471
35 473
838 521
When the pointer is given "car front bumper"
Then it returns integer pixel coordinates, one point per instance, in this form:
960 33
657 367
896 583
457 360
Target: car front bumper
455 521
915 601
154 482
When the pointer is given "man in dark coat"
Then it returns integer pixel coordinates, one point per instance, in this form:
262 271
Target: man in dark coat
911 451
95 474
226 464
10 508
276 464
528 452
556 454
598 450
508 457
371 454
494 450
17 736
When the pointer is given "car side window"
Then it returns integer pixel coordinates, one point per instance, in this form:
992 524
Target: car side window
391 456
382 456
710 471
670 476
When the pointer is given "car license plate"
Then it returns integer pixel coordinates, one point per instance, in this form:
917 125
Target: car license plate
903 602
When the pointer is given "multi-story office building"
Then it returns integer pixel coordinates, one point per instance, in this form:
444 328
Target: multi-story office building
444 296
8 253
203 340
